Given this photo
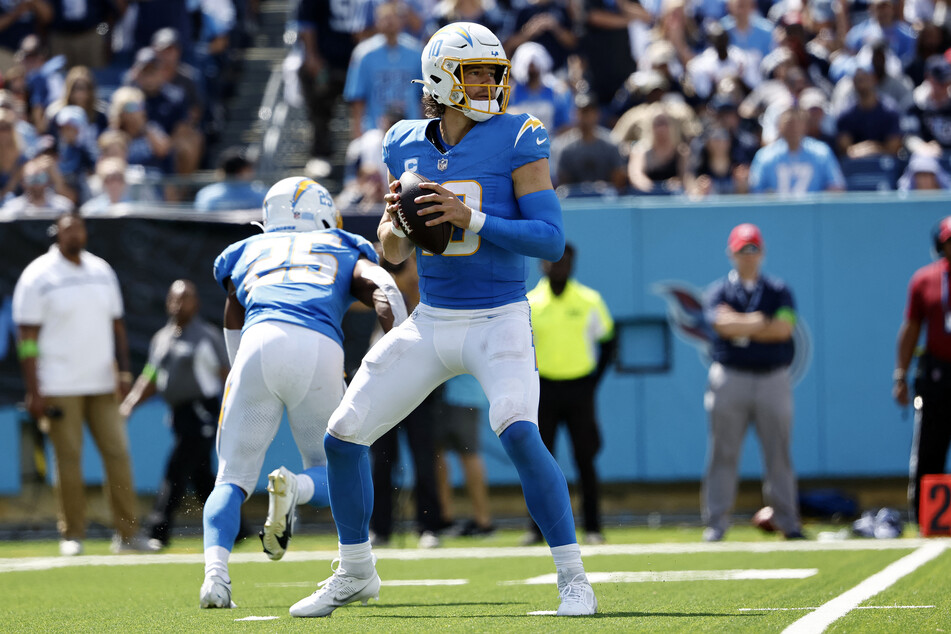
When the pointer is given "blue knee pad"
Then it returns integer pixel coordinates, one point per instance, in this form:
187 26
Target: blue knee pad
543 483
351 488
321 497
222 516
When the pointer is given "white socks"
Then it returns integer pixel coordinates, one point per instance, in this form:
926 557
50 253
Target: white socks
568 560
305 488
356 559
216 562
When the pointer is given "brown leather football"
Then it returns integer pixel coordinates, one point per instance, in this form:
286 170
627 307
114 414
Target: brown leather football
433 239
763 519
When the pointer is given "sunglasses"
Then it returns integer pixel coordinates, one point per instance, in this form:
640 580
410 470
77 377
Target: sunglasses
132 106
748 249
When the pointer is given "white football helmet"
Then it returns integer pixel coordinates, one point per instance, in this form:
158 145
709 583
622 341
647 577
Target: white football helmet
300 204
449 50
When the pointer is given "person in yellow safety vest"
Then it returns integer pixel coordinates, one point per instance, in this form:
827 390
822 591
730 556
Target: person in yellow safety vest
574 345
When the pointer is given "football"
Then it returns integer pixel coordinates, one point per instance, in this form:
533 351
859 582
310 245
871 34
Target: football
432 239
763 519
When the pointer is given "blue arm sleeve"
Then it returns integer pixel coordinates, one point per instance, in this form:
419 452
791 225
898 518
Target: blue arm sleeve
538 233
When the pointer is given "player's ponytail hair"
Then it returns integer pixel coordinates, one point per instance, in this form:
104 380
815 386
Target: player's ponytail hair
432 109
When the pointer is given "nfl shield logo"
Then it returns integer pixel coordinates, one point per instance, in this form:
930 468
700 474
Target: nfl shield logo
442 164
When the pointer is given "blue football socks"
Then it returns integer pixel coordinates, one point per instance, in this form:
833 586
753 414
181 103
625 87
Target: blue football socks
543 483
351 488
222 516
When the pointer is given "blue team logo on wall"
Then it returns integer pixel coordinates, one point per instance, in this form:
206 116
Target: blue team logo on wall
686 319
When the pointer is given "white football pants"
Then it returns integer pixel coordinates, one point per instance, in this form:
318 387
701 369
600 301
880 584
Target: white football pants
435 344
279 365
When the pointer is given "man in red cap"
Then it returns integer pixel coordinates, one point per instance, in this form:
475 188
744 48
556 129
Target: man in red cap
928 303
753 316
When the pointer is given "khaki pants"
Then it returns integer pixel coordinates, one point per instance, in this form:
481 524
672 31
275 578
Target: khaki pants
81 49
101 413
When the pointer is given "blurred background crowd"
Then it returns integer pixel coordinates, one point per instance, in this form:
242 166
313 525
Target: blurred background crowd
109 102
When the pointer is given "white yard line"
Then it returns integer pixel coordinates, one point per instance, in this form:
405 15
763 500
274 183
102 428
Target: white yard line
861 607
385 582
652 576
838 607
19 564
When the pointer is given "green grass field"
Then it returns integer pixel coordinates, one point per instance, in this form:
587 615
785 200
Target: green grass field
661 580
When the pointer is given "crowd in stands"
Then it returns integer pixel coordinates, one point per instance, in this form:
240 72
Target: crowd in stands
696 97
103 99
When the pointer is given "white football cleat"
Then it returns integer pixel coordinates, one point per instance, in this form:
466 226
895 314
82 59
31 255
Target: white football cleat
577 597
216 593
282 500
335 591
70 547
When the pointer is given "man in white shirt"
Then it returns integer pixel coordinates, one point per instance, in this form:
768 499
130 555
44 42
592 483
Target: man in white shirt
68 309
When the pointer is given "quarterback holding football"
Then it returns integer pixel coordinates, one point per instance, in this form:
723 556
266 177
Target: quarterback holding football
493 187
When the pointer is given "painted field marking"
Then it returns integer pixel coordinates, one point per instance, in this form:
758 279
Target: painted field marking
838 607
543 613
390 582
258 618
861 607
20 564
652 576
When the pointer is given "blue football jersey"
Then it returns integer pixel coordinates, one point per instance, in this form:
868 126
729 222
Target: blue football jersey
300 278
472 273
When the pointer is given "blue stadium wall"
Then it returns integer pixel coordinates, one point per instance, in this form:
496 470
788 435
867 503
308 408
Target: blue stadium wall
847 259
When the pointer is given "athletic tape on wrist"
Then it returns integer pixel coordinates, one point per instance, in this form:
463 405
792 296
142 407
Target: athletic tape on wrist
476 221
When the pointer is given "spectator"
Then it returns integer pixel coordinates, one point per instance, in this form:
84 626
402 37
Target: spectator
17 21
658 162
894 88
42 181
26 133
927 306
753 316
773 70
381 72
719 60
537 91
148 144
932 109
187 365
80 90
924 173
868 128
484 12
460 413
548 24
175 73
713 170
12 157
327 32
236 187
419 426
76 160
794 82
673 25
606 44
74 32
883 21
571 322
743 142
819 125
586 154
166 105
932 40
43 78
748 30
111 173
68 309
635 123
795 163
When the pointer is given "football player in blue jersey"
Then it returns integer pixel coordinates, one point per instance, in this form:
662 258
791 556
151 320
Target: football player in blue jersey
287 292
473 318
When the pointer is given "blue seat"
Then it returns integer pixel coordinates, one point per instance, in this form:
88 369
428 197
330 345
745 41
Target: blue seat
871 173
